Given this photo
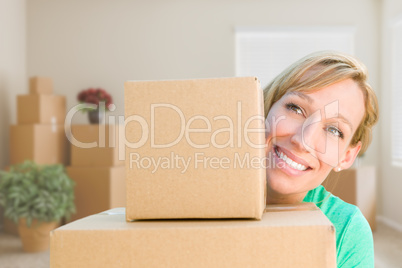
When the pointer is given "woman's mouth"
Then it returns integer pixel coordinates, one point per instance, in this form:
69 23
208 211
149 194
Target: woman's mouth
292 163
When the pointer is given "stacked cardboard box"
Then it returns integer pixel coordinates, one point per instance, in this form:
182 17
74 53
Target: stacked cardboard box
210 136
282 238
356 186
96 169
39 133
195 155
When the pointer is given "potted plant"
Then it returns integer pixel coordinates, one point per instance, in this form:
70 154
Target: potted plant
36 198
99 101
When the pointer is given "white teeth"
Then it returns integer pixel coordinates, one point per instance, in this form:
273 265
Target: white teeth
290 162
294 165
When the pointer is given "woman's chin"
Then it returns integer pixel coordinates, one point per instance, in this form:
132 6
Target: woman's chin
280 187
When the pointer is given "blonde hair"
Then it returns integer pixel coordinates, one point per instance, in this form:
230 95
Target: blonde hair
325 68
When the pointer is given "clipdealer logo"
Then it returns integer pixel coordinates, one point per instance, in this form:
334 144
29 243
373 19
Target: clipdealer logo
186 129
237 133
146 132
196 161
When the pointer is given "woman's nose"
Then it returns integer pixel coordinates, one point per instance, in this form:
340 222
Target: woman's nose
297 140
307 136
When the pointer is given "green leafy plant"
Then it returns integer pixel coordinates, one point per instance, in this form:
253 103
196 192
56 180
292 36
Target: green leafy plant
31 191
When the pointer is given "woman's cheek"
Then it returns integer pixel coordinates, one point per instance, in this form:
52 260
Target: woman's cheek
332 153
285 126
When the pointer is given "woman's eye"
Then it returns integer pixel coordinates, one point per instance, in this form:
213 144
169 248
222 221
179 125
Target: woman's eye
294 108
334 131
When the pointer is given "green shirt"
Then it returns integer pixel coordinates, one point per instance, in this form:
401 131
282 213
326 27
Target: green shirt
354 239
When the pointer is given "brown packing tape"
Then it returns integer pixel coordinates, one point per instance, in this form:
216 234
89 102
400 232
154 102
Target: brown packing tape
291 207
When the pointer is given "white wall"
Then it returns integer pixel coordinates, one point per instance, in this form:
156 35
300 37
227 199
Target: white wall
13 79
390 185
12 69
104 43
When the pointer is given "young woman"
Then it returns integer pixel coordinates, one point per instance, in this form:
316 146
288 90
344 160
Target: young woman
319 114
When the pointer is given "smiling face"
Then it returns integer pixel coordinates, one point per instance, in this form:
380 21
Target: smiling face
308 134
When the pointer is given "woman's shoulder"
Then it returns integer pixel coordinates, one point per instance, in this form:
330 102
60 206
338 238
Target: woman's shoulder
354 240
340 213
330 204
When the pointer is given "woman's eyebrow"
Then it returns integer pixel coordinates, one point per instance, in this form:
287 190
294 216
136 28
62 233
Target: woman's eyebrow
302 95
311 100
344 119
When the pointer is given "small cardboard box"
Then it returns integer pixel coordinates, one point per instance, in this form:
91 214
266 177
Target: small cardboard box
281 239
356 186
40 85
97 189
43 144
195 149
98 145
41 109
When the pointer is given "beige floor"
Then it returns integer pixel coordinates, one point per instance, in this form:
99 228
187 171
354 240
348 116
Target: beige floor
387 246
12 256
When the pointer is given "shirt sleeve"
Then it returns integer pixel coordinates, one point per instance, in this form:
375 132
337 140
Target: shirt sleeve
356 245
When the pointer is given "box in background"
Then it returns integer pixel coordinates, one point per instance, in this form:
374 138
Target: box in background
105 151
280 239
10 227
217 172
40 85
43 144
97 189
41 109
356 186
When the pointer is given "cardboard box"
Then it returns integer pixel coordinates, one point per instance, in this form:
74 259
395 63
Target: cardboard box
43 144
97 189
40 85
356 186
280 239
104 142
210 164
10 227
41 109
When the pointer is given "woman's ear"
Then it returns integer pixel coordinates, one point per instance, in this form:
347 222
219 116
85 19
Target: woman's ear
349 157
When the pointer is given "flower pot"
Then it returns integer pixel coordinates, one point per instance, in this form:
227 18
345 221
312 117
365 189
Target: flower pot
36 238
95 116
